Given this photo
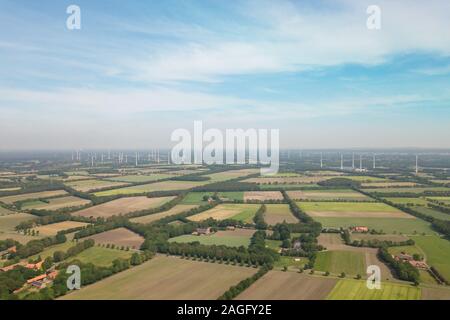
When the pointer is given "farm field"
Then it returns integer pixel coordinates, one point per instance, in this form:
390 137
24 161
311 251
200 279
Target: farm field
380 237
197 197
335 194
91 185
119 237
240 212
277 213
160 215
408 201
288 180
278 285
388 184
437 252
101 256
236 238
432 212
435 293
387 225
367 179
262 195
357 290
9 222
230 174
151 187
49 251
352 210
292 263
55 203
140 178
35 195
293 186
445 200
166 278
331 241
4 211
122 206
52 229
352 263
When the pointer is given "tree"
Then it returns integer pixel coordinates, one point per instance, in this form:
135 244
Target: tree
135 259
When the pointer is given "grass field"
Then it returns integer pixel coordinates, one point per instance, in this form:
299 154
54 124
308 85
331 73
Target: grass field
407 190
352 210
388 184
366 179
286 186
292 263
436 293
90 185
387 225
379 237
35 195
151 187
166 278
277 213
445 200
52 229
160 215
337 194
288 180
230 174
352 263
122 206
55 203
140 178
101 256
237 238
433 213
437 252
262 195
48 252
119 237
357 290
240 212
278 285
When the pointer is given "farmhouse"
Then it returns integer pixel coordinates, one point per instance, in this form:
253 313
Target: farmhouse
360 229
419 264
403 257
35 266
6 252
204 231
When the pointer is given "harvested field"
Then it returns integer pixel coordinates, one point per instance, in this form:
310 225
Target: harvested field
230 174
54 228
35 195
339 194
277 213
164 278
157 216
91 185
122 206
237 238
56 203
262 195
352 210
119 237
151 187
4 211
241 212
357 290
278 285
435 293
331 241
9 222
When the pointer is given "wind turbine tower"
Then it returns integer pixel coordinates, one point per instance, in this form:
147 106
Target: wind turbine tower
342 161
137 159
374 162
360 162
353 160
168 157
417 163
321 161
157 155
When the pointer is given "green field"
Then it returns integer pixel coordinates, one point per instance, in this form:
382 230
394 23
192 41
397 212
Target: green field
366 179
445 200
151 187
287 186
387 225
290 263
408 201
437 252
406 249
352 263
346 206
357 290
412 190
433 213
101 256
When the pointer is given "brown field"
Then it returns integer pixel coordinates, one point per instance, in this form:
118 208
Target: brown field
388 184
29 196
331 241
4 211
122 206
289 180
238 232
262 195
157 216
166 278
277 213
278 285
119 237
360 214
54 228
242 212
436 293
58 203
91 185
9 222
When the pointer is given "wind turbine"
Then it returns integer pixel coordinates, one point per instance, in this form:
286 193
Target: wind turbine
321 161
417 163
353 160
342 161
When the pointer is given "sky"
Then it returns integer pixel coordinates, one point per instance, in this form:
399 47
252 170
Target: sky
138 70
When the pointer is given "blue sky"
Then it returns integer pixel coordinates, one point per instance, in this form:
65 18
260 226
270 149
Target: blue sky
137 70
